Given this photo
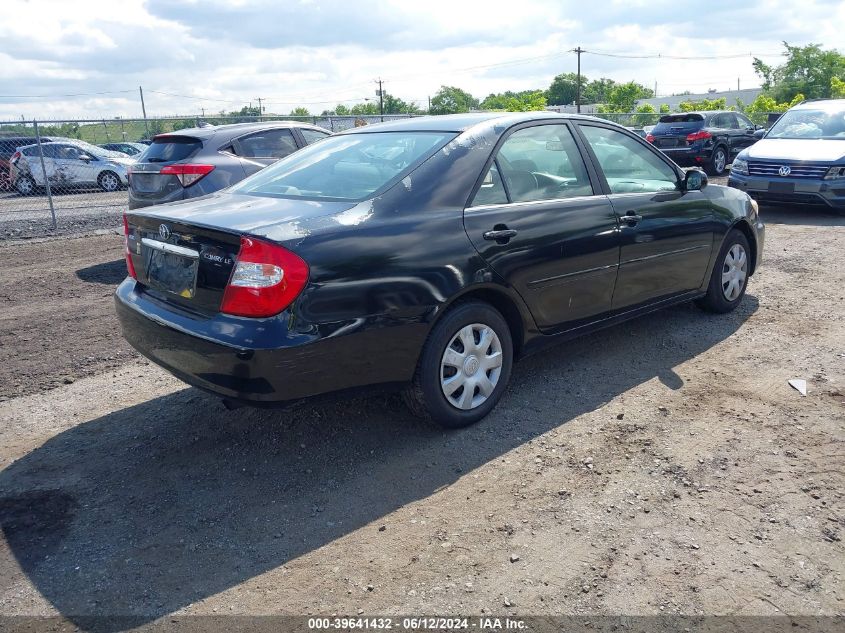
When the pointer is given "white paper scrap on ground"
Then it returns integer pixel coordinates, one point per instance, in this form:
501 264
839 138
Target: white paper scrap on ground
800 384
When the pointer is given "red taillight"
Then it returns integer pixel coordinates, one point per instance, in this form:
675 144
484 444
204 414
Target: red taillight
649 138
187 174
15 157
698 136
265 280
129 265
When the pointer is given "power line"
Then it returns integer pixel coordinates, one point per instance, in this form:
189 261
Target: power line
681 57
76 94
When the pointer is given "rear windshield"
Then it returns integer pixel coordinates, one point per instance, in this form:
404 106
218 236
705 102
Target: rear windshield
681 118
346 167
167 149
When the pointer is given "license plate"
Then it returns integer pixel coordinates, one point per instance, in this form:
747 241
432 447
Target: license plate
667 142
782 187
172 273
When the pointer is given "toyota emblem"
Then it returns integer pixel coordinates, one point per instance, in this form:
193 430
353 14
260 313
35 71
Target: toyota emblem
164 231
784 171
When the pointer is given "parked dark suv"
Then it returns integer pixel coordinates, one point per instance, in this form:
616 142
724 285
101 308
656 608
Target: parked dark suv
706 139
197 161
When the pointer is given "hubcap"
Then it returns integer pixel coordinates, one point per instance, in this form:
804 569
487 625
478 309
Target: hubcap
109 182
24 186
734 272
720 161
471 366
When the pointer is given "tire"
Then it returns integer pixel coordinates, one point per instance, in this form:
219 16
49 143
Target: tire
109 181
26 186
718 164
723 295
446 367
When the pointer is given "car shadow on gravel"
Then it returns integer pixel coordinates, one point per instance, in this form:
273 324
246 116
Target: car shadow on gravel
110 273
156 506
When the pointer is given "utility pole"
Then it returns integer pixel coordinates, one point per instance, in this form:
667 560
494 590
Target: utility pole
260 107
380 94
144 110
429 104
737 84
578 51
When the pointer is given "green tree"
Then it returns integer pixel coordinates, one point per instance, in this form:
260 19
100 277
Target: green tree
368 107
623 97
564 89
597 91
664 108
808 70
837 88
395 105
704 104
449 100
524 101
300 111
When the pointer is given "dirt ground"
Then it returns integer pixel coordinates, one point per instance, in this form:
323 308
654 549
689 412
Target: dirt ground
660 467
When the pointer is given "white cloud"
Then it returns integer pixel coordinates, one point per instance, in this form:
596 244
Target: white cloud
316 53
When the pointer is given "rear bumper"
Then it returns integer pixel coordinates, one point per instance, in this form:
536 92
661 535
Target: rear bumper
687 156
263 361
803 190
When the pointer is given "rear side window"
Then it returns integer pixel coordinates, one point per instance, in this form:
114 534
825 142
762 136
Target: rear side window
267 144
167 149
312 136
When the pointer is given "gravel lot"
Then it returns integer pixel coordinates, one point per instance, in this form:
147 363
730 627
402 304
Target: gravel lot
24 217
660 467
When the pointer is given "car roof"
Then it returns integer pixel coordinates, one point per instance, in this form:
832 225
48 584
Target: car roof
233 129
462 122
821 104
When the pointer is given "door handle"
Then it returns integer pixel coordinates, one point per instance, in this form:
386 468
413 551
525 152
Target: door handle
500 235
631 218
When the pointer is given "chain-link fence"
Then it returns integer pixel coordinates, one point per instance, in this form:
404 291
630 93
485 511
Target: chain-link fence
72 175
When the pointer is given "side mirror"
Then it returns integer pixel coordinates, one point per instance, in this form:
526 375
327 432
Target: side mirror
695 180
85 158
759 133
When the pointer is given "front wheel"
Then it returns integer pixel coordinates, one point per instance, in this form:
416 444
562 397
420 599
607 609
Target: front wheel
109 181
729 278
464 367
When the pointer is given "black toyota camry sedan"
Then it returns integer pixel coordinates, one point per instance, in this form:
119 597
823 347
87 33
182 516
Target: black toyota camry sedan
427 254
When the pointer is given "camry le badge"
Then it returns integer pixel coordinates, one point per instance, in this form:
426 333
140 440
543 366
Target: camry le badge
784 171
163 231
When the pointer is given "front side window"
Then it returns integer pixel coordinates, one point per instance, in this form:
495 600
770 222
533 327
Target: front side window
628 165
543 163
268 144
491 191
345 167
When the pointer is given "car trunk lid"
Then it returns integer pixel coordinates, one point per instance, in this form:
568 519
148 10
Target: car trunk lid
184 253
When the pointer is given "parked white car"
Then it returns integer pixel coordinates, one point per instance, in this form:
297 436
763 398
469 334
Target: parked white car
68 164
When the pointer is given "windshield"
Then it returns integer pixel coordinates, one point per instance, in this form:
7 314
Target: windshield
346 167
829 124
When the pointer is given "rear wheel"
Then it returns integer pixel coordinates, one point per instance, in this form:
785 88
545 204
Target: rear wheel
25 186
109 181
729 278
464 367
718 161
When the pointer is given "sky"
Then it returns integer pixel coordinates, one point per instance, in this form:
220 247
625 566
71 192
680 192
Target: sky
87 58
